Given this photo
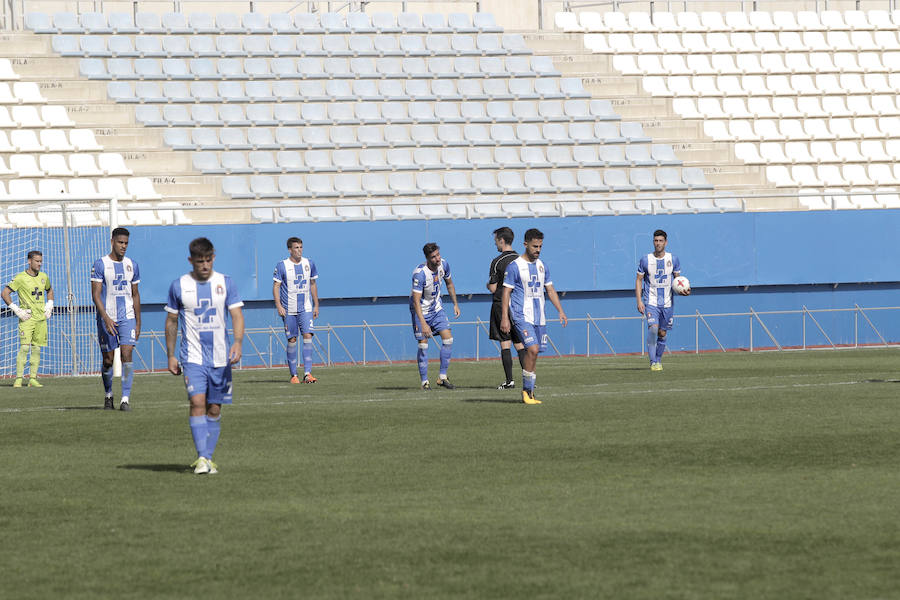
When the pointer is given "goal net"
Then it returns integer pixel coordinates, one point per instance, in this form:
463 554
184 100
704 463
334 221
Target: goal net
70 242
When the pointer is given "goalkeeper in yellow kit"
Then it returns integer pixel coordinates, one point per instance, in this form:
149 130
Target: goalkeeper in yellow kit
34 309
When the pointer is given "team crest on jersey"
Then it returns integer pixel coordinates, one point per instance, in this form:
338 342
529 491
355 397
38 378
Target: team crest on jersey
668 263
220 290
540 268
128 268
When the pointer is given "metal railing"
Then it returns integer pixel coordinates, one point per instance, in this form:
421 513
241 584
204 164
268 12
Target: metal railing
382 343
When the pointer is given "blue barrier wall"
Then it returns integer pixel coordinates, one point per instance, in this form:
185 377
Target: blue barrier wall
736 262
364 259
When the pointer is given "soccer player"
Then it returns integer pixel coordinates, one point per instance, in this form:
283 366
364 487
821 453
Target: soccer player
427 311
297 300
503 238
523 307
201 299
114 289
653 291
36 297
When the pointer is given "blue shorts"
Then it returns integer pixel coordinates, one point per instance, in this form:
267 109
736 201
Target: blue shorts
214 382
531 334
438 322
660 317
111 341
299 324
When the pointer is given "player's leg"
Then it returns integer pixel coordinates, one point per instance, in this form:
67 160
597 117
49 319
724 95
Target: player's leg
126 344
421 351
38 339
108 344
127 375
665 324
306 325
292 332
26 329
531 345
496 334
446 353
219 393
195 379
653 315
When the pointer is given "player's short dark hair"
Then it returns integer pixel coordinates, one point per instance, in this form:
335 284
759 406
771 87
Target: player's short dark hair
506 234
533 234
294 240
120 231
33 253
201 247
660 233
429 248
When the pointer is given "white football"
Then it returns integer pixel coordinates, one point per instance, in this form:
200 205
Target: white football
681 284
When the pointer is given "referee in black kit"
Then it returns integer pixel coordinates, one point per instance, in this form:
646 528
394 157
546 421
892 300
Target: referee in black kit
503 237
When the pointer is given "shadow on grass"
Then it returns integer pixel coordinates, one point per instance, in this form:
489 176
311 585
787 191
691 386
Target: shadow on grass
882 380
516 400
159 468
80 408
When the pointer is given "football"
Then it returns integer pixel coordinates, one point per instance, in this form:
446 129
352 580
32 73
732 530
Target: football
681 284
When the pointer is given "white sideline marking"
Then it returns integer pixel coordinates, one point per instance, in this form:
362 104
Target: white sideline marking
409 397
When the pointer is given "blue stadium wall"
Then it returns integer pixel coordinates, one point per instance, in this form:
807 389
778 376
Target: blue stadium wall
736 262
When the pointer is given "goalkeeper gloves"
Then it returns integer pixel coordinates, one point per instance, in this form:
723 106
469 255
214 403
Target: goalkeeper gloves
23 315
48 309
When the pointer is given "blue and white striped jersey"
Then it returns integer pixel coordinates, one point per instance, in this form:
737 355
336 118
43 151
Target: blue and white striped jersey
658 275
295 280
428 283
203 307
527 280
117 278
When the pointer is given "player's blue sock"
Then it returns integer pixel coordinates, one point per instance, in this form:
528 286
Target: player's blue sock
199 433
422 359
307 356
107 375
652 335
528 379
446 351
127 378
292 357
213 427
660 347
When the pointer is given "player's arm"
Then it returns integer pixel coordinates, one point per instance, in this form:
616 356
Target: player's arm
276 295
417 306
171 337
638 290
504 309
554 300
96 293
136 297
237 323
314 292
451 289
6 294
492 277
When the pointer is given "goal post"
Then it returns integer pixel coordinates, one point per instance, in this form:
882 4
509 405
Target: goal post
71 236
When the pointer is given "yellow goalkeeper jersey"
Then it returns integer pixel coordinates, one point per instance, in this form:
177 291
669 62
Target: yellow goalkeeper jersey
32 292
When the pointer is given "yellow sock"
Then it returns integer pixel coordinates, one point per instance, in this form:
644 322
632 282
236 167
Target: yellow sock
35 360
21 357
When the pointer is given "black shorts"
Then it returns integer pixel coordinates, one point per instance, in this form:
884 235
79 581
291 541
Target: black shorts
495 333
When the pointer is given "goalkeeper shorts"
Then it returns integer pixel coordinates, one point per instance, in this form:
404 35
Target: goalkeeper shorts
33 332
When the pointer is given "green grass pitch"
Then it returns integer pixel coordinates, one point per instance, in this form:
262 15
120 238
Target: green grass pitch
773 475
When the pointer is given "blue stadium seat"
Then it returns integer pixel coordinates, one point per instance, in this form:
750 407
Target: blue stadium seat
206 138
358 22
255 22
229 23
149 91
68 45
282 23
67 22
175 23
333 23
39 22
232 115
93 68
208 163
121 91
176 46
147 22
121 46
122 23
307 23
